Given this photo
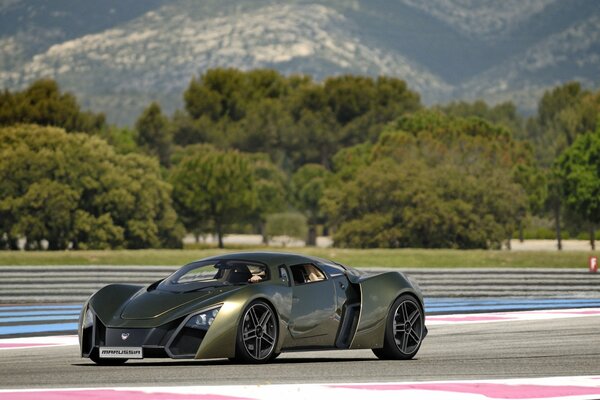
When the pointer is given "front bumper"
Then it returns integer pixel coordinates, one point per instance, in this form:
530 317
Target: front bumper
171 340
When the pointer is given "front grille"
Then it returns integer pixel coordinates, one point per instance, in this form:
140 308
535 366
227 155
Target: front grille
154 340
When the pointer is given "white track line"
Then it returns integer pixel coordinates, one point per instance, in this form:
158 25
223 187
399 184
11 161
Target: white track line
572 388
510 316
38 341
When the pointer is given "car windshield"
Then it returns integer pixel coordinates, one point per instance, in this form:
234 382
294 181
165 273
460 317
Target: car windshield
205 274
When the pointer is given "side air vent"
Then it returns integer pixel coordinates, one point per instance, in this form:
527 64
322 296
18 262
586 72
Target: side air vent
186 342
348 326
100 338
87 340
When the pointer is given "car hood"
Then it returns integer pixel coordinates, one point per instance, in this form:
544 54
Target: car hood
156 303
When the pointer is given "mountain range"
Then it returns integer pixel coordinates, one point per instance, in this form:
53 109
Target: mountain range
118 55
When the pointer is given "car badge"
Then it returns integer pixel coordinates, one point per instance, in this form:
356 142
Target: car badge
124 335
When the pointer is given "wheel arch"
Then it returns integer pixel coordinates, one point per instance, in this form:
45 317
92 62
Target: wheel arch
220 340
378 294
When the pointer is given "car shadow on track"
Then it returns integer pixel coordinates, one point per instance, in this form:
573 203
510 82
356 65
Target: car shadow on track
184 363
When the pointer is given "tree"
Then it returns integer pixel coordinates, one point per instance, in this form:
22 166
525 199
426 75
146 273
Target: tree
47 211
263 130
43 103
504 114
579 171
217 187
270 184
429 181
123 140
535 183
293 119
75 190
153 133
308 184
564 113
289 224
187 131
410 204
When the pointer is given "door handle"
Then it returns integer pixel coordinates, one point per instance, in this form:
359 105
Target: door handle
342 285
295 299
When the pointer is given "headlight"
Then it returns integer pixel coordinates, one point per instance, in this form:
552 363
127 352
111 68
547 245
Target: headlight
204 319
88 319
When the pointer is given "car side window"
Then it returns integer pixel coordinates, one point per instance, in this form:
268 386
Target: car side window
260 273
333 270
306 273
283 275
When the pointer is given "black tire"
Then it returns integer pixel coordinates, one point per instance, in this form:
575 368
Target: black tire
257 334
106 361
404 330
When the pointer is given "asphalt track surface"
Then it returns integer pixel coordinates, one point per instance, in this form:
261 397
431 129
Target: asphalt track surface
44 319
533 348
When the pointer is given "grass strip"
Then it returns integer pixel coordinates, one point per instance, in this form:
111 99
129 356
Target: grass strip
401 258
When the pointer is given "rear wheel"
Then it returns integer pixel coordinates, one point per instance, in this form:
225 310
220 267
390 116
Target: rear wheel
257 334
404 330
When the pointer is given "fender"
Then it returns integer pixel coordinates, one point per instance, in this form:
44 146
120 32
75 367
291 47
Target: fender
378 293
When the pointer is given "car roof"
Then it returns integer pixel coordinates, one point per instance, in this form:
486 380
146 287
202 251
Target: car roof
269 258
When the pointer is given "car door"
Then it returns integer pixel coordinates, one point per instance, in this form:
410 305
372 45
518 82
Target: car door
313 320
347 303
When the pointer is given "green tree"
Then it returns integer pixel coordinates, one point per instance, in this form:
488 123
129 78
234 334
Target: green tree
263 130
308 184
270 184
47 211
410 204
43 103
291 225
153 133
75 190
564 113
123 139
429 181
579 171
504 114
217 187
535 183
293 119
187 130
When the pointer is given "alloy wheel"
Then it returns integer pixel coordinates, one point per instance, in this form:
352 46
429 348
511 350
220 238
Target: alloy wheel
408 326
259 331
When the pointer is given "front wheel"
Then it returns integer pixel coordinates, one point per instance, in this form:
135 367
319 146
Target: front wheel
404 330
257 334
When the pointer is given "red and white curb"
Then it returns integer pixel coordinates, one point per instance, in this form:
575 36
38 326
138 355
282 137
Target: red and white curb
572 388
510 316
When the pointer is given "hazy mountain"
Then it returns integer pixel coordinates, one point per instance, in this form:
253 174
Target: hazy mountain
117 55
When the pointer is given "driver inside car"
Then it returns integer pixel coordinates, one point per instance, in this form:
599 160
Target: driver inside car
257 276
313 274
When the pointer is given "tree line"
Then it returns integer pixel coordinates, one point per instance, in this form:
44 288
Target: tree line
356 156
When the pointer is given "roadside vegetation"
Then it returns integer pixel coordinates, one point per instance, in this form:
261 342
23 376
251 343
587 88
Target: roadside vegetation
357 158
389 258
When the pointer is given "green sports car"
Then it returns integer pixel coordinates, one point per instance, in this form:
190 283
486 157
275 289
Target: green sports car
250 307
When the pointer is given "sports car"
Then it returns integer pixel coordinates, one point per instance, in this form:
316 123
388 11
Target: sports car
250 307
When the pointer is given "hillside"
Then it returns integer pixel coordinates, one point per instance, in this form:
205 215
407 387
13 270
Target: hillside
116 56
